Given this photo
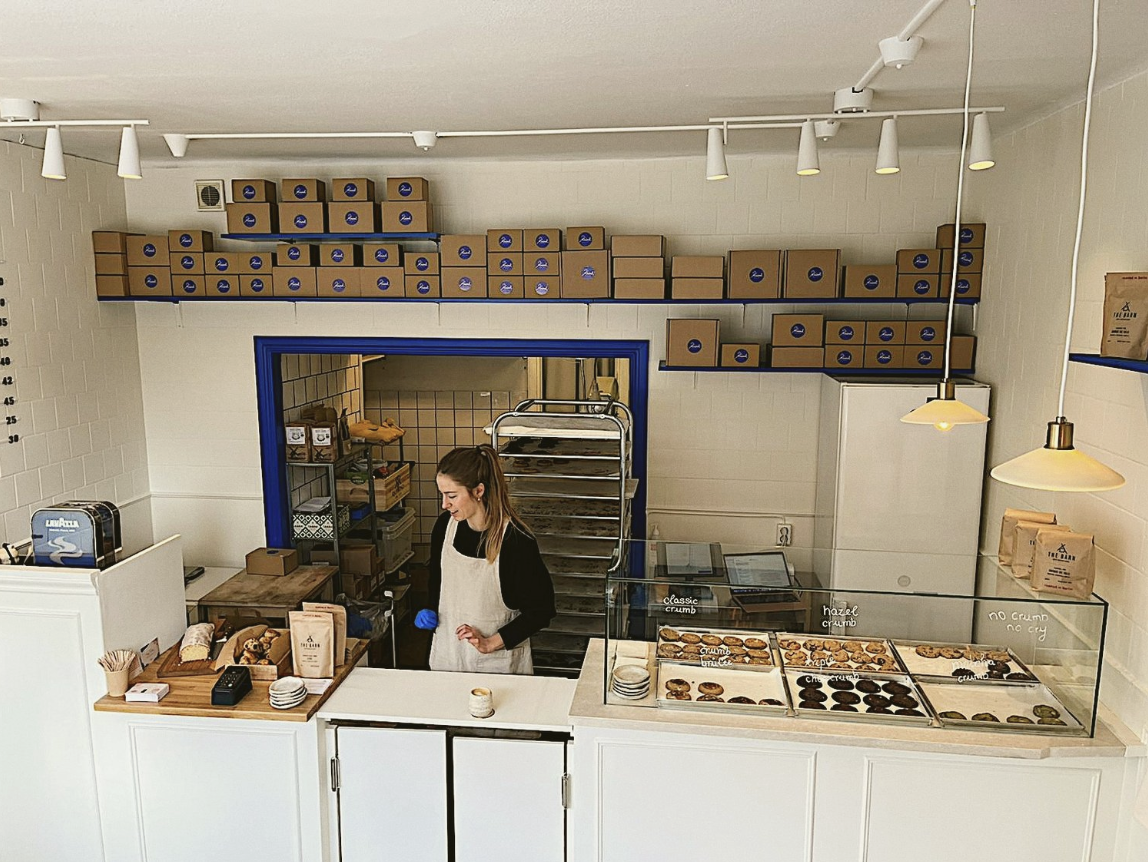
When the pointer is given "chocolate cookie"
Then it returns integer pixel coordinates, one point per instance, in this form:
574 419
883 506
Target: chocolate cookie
953 715
1043 710
678 695
795 657
814 643
691 649
711 698
951 652
677 684
815 694
885 661
897 688
770 701
669 650
999 666
1018 719
810 704
999 655
841 665
711 688
788 644
995 674
852 646
876 700
738 650
904 701
964 673
846 697
985 716
758 659
841 684
808 681
832 645
876 648
868 686
913 712
842 707
1016 674
758 653
840 655
879 710
741 699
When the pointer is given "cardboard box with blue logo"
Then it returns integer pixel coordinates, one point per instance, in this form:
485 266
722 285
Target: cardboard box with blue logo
408 189
925 332
149 281
885 332
542 240
303 191
755 274
504 239
505 287
585 275
339 254
337 281
247 217
147 251
464 281
537 264
296 254
257 286
294 281
253 191
844 355
422 287
383 282
219 284
382 254
542 287
421 263
353 189
885 356
972 235
918 261
407 217
505 263
586 238
812 273
740 355
798 330
918 285
463 250
352 217
796 357
844 332
692 343
303 217
872 282
187 285
179 241
187 263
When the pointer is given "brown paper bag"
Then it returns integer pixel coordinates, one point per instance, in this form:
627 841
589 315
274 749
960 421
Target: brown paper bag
340 614
1064 563
1008 526
1125 315
1025 543
312 644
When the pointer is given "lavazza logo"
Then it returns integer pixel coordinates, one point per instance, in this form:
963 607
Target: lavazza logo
1062 555
63 524
1126 313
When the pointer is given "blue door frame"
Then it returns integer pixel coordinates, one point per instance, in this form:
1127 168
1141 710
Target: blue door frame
269 392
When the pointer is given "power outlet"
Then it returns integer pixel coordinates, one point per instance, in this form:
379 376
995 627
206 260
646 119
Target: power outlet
784 534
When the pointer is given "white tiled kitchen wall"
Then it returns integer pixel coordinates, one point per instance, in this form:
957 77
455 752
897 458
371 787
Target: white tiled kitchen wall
81 419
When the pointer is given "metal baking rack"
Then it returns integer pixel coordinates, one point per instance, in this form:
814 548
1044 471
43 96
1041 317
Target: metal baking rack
568 464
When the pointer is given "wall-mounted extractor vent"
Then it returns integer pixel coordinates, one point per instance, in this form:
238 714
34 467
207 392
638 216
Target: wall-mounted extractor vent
209 195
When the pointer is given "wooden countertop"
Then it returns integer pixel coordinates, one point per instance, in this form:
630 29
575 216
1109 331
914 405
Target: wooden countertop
191 696
248 590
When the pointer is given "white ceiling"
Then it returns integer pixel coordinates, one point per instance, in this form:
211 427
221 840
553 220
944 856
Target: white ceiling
365 65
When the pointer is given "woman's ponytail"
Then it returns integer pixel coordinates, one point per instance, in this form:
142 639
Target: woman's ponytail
479 465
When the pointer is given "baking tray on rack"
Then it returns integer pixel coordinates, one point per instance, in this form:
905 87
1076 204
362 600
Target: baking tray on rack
976 660
715 647
956 703
578 625
528 447
843 695
561 468
603 509
559 546
592 605
565 426
571 528
843 655
579 567
594 587
546 641
571 489
740 689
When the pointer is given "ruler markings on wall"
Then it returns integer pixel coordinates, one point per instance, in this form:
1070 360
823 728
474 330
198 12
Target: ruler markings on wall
11 432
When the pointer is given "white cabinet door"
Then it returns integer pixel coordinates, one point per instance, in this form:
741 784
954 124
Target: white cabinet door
508 800
392 794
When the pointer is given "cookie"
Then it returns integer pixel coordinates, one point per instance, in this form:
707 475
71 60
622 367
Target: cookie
677 684
737 650
1016 674
842 707
985 716
841 655
814 694
846 697
758 653
876 648
876 700
711 640
744 659
964 673
710 698
741 699
669 650
852 646
999 655
927 651
690 638
731 641
810 704
770 701
678 695
999 666
841 684
913 712
868 686
759 660
841 665
755 643
691 649
896 688
951 652
807 681
1043 710
995 674
879 710
814 643
904 701
832 645
789 644
1053 721
710 688
668 634
952 715
1018 719
795 657
819 656
885 661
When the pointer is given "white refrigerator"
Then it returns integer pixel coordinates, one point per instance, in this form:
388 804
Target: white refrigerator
898 508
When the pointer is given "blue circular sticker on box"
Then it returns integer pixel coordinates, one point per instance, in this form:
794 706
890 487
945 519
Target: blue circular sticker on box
844 357
350 190
924 357
966 235
255 261
382 255
249 192
962 285
965 258
506 264
188 285
542 288
797 330
920 261
694 346
185 239
542 264
223 285
221 264
150 280
506 288
257 285
756 274
300 191
405 218
584 239
588 272
542 241
187 261
884 357
149 250
464 252
351 218
871 282
337 255
922 287
465 284
338 285
294 253
816 274
845 333
422 264
885 333
383 283
741 356
928 333
505 240
423 287
405 190
293 283
300 221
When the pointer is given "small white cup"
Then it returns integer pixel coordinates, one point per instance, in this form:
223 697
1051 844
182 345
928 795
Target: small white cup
481 702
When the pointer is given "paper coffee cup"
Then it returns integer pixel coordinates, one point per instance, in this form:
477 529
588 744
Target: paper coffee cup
481 702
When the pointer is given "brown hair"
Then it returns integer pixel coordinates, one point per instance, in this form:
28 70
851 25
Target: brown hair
472 466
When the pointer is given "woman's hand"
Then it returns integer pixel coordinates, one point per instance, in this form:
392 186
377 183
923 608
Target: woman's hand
485 646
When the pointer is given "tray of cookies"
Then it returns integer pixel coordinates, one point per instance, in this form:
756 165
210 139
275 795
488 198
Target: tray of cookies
1031 708
736 688
846 655
962 661
717 647
856 696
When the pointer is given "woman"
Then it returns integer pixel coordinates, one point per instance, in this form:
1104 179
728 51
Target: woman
489 588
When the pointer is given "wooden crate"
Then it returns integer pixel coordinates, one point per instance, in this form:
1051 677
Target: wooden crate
390 490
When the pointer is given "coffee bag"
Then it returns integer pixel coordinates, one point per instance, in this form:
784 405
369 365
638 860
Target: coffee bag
1008 528
340 614
1064 563
1025 544
1125 315
312 644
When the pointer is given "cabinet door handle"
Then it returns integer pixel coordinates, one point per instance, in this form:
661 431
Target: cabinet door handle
566 790
334 775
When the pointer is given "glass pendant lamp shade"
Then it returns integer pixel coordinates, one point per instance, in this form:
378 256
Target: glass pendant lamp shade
807 161
715 156
1058 466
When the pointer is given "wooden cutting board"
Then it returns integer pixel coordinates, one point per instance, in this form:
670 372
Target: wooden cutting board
170 665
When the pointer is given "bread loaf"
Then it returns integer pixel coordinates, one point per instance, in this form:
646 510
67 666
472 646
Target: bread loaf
196 643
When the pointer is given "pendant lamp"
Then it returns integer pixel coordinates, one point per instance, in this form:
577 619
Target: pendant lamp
53 168
943 411
715 155
129 165
1058 466
807 162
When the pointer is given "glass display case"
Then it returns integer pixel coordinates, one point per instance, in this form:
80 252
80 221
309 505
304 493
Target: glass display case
719 627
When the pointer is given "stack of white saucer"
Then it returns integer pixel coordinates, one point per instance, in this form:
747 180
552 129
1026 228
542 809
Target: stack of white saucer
287 692
631 681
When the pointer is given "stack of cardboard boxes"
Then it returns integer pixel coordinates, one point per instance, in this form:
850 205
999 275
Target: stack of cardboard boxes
111 250
697 277
798 341
970 259
421 275
254 208
407 208
542 262
639 266
382 274
187 250
504 262
586 264
149 266
352 207
464 272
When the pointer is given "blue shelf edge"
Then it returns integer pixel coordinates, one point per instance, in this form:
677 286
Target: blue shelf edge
585 301
1140 366
321 237
765 369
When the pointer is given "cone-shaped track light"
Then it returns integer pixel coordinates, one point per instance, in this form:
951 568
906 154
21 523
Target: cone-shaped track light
53 156
981 146
129 167
807 164
1058 466
945 412
715 155
888 158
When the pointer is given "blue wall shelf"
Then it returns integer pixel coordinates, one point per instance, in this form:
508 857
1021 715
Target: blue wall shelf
500 300
330 237
870 372
1140 366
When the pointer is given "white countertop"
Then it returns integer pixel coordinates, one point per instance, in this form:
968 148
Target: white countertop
1112 738
211 578
440 698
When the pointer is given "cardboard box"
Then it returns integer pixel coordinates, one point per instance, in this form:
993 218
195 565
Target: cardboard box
548 287
147 250
968 285
149 281
304 191
388 282
585 274
353 189
844 356
692 343
109 242
294 281
924 356
382 254
844 332
463 281
505 287
246 217
740 355
187 263
638 245
925 332
542 239
882 356
586 238
918 286
970 260
972 236
112 264
422 287
874 282
339 254
221 285
407 217
798 330
253 191
408 189
337 281
812 273
542 265
697 266
918 261
505 263
754 274
796 357
189 240
296 254
359 559
640 288
254 263
962 352
885 332
112 285
421 263
503 239
302 217
256 286
639 267
697 288
463 250
221 262
187 285
352 217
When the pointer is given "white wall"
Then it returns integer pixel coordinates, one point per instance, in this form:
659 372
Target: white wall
732 444
76 362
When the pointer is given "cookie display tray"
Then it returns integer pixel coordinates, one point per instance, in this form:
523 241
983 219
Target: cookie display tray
804 639
756 684
792 673
715 656
970 698
941 668
525 447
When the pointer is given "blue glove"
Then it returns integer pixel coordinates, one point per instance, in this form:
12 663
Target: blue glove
426 619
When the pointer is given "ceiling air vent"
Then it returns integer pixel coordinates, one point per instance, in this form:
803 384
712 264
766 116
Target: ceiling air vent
209 195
